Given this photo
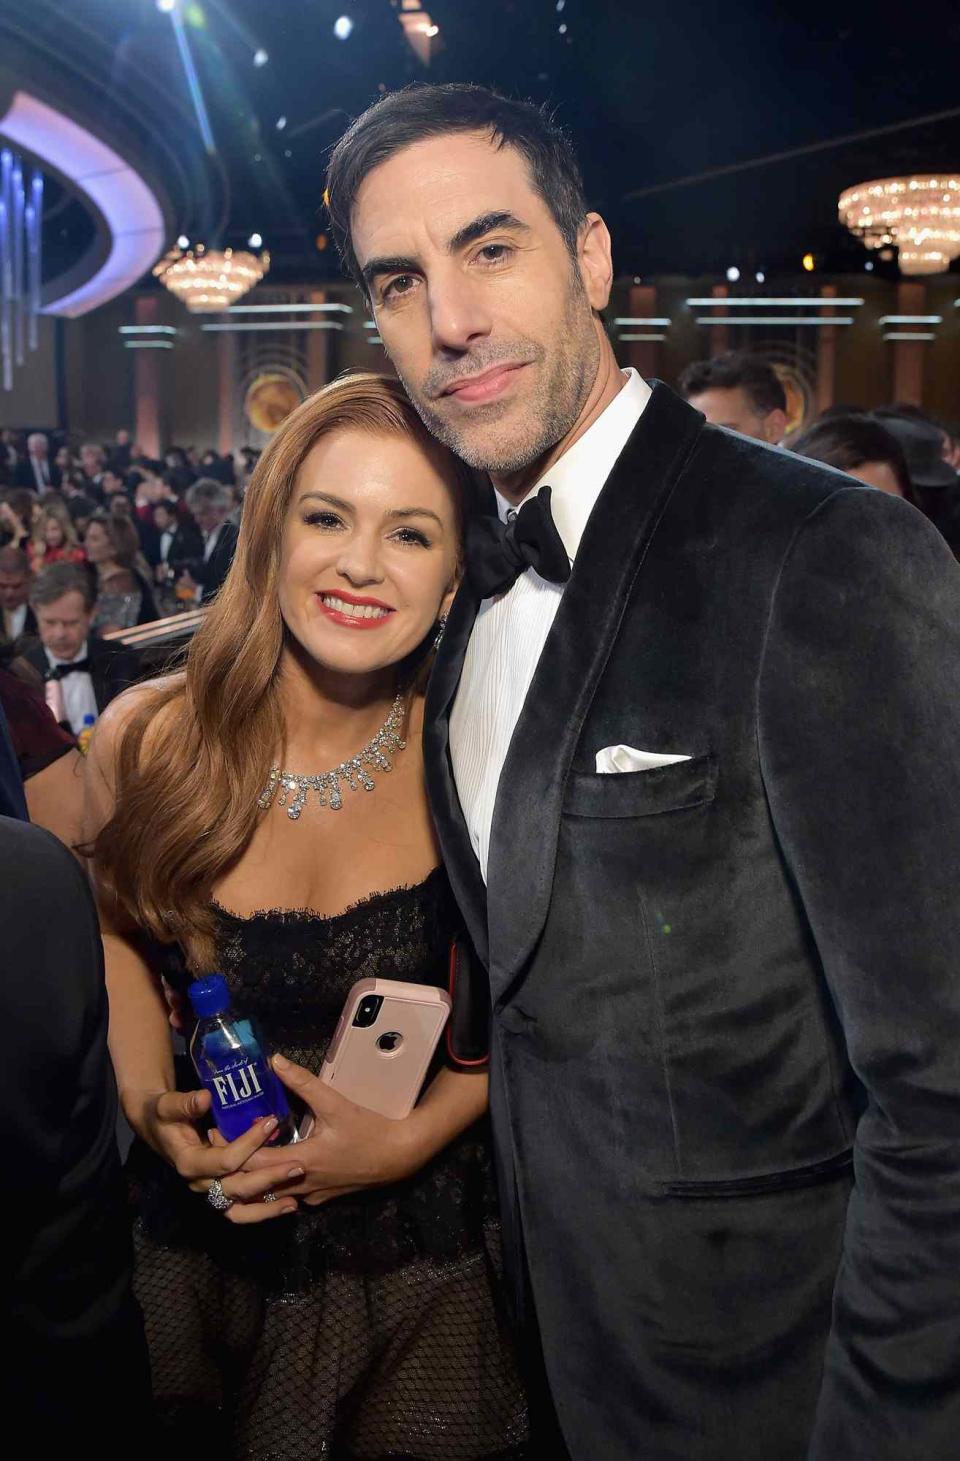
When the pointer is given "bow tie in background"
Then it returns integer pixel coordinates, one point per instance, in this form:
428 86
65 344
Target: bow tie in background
76 667
497 553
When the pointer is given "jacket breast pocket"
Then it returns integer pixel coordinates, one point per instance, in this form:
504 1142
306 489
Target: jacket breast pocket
673 788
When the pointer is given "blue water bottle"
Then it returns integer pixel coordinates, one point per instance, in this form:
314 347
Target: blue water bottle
233 1062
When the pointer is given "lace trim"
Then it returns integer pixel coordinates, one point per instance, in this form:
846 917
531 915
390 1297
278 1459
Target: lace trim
311 915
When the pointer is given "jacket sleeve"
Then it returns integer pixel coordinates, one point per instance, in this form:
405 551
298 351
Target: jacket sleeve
859 727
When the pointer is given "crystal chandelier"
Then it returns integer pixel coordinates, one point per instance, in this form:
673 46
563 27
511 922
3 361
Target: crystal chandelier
921 215
207 280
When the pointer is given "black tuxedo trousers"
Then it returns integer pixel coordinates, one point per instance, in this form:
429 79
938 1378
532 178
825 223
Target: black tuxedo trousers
725 1072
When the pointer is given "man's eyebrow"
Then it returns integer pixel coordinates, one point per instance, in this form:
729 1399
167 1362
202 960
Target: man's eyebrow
468 234
486 223
375 268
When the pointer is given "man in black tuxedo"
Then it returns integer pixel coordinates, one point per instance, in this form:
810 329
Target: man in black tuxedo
83 673
75 1361
211 504
19 620
37 471
697 784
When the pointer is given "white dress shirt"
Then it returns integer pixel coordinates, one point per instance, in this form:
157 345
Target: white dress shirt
79 701
210 541
14 620
40 467
511 630
166 543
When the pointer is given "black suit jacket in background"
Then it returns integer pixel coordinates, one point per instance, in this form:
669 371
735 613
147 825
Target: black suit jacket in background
725 1072
75 1361
113 668
212 573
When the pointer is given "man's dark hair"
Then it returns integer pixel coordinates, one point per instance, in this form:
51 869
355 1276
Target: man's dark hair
848 442
418 112
52 583
14 560
737 370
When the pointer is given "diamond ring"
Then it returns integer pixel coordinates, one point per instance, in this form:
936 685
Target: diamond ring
269 1197
217 1198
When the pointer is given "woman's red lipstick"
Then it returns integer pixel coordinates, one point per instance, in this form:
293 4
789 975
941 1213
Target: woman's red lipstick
353 611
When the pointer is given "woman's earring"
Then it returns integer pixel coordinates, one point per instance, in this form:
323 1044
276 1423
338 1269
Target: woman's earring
441 625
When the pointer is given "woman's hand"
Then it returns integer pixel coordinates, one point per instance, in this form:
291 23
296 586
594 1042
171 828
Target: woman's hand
349 1148
167 1121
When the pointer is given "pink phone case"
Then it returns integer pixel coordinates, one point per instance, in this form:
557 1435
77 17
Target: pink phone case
382 1065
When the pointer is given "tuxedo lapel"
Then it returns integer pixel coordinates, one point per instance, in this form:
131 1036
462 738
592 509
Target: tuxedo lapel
526 816
462 866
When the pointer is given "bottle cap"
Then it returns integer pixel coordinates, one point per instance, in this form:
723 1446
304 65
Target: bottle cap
209 996
89 720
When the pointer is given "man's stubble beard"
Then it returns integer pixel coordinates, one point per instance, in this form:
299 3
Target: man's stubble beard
558 401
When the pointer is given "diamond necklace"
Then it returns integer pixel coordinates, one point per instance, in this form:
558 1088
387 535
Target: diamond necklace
328 784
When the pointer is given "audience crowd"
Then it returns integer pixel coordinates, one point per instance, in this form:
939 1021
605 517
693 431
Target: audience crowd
94 542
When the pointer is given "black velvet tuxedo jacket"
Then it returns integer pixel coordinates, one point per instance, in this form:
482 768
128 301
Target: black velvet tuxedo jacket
725 1074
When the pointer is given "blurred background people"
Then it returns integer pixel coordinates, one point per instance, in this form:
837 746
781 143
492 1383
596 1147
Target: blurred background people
861 447
124 595
36 471
19 619
211 504
739 391
87 672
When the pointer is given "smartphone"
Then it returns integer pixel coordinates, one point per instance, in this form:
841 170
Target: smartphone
384 1043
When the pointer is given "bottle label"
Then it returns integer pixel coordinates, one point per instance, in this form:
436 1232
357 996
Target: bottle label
233 1087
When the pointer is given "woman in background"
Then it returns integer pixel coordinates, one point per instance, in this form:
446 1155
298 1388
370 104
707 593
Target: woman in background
124 595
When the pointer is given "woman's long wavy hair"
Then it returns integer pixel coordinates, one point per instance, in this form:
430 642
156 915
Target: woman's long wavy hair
196 751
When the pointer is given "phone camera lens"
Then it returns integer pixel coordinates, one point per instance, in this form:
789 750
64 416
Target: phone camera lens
367 1011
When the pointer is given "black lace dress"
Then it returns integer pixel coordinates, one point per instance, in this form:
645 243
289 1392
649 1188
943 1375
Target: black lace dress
368 1328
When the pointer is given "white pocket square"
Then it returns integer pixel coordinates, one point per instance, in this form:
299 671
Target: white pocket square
626 758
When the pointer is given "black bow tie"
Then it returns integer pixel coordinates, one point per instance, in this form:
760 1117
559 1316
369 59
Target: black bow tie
497 553
76 667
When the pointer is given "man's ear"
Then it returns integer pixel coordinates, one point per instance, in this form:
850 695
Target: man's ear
775 426
595 258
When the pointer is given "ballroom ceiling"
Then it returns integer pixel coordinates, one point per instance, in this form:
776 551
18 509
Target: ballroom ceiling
653 94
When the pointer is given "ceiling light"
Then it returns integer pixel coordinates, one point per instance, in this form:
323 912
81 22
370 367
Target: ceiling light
733 273
255 241
869 266
343 28
761 277
211 279
260 57
809 263
166 6
562 29
281 123
183 242
921 215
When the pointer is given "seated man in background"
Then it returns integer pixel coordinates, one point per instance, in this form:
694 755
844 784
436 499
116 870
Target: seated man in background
211 504
83 673
76 1361
18 617
739 391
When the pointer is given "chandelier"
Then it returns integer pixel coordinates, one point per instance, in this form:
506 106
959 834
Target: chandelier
921 215
207 280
